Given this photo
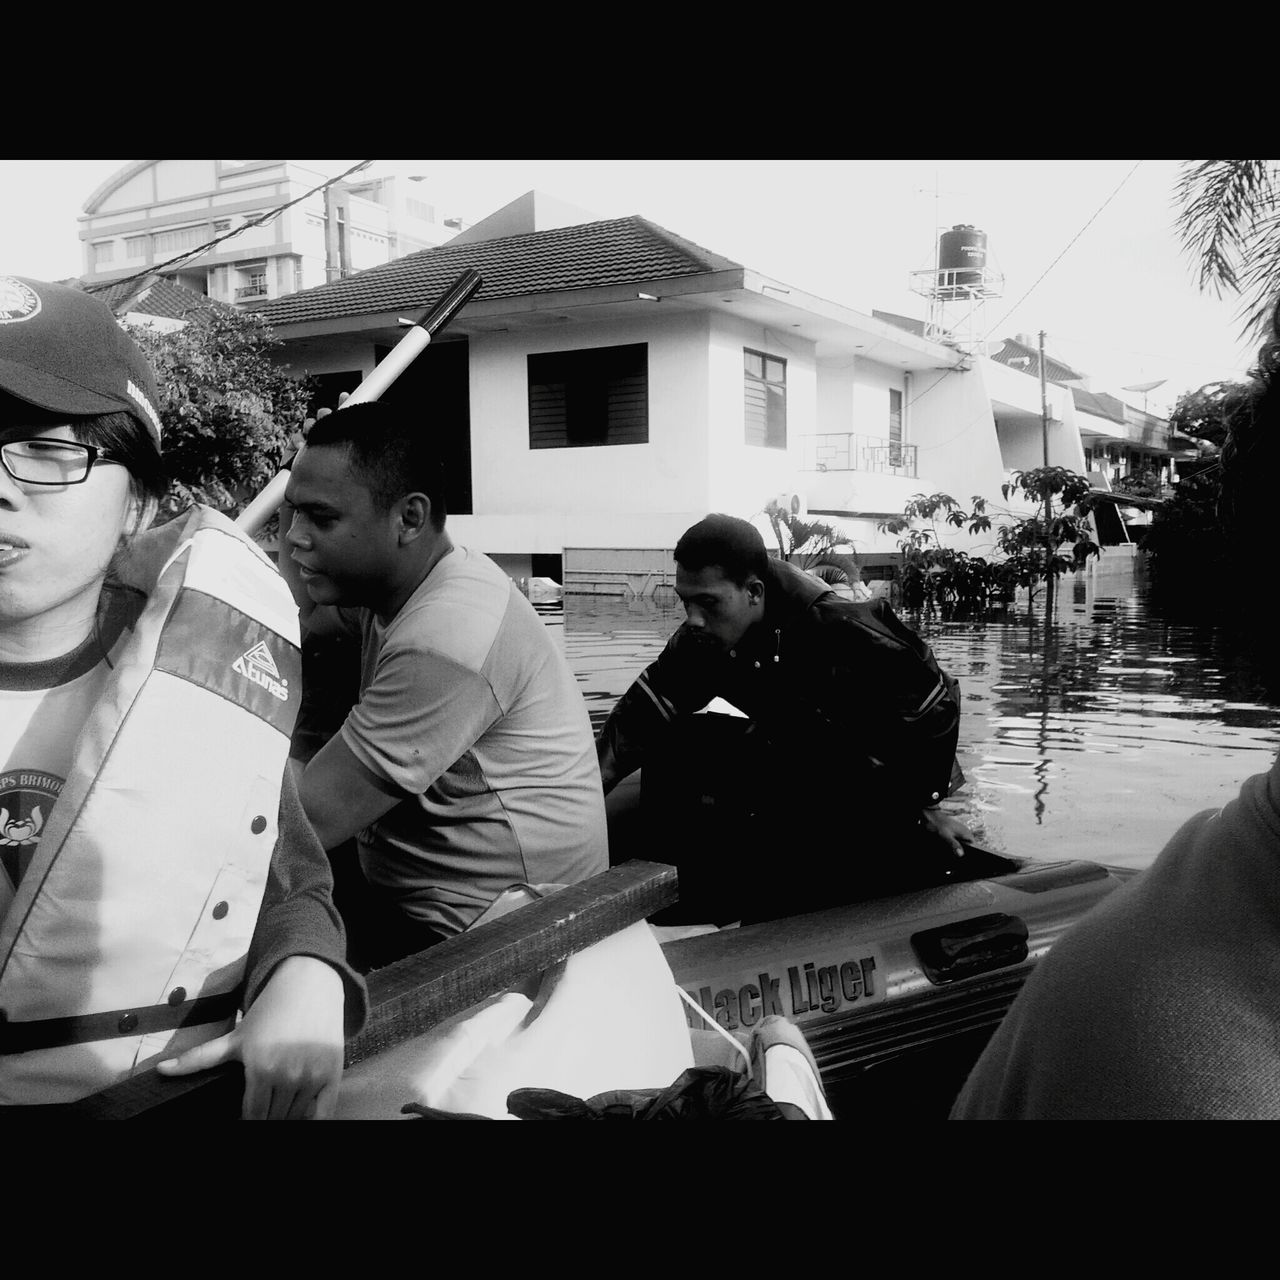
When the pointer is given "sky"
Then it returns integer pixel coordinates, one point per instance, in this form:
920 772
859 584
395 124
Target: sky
1087 248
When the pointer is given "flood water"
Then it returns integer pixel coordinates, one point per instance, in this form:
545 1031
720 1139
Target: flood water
1095 738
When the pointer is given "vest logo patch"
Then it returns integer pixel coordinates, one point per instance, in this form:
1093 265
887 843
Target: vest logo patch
258 665
26 797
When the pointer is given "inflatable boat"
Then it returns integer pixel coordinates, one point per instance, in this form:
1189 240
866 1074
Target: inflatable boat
895 996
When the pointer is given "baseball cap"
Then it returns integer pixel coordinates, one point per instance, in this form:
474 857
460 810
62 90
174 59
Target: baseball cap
61 349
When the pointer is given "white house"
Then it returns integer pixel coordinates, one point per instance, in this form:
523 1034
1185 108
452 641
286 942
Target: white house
612 382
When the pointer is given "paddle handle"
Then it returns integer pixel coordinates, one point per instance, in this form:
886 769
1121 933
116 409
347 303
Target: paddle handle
388 369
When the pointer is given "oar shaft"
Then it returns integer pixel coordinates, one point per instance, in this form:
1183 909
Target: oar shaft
396 361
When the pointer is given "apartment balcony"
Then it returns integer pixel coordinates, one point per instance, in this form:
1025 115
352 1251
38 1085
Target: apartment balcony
849 451
247 291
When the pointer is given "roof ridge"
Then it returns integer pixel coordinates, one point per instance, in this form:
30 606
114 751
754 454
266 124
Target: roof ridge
584 255
711 259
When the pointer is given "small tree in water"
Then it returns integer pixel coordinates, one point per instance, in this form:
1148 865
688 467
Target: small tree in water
812 545
1030 547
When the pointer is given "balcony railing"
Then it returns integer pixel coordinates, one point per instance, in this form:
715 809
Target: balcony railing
251 291
848 451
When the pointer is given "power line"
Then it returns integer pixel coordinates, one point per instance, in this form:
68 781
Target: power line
159 268
1005 318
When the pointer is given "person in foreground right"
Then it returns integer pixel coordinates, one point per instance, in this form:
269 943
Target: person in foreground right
1163 1003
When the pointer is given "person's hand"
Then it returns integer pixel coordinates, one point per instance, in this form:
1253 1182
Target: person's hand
343 397
290 1042
951 831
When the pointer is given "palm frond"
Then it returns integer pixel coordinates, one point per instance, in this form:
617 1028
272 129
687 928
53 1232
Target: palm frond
1260 281
1222 203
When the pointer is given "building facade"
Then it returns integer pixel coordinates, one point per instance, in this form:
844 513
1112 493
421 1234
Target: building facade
611 383
152 211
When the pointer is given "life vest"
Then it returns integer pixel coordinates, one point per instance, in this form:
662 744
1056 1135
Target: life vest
128 935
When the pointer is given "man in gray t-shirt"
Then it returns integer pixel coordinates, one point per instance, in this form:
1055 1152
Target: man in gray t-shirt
468 763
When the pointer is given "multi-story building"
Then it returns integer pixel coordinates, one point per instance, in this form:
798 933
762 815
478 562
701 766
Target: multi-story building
1118 440
153 211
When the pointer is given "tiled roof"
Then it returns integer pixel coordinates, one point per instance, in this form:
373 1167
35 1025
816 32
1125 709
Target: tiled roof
154 296
590 255
1027 360
1099 403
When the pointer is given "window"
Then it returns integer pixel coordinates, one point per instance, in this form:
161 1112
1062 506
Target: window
594 397
895 428
176 241
135 246
766 399
102 252
252 279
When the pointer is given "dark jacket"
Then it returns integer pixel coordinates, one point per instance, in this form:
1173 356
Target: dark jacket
841 694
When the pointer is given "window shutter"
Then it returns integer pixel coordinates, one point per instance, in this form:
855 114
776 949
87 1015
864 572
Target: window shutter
598 396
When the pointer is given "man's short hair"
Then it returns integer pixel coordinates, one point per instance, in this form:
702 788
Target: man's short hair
735 545
391 452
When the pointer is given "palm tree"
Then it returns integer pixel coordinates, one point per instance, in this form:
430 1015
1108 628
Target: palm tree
1230 221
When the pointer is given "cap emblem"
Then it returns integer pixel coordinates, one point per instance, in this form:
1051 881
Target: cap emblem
18 301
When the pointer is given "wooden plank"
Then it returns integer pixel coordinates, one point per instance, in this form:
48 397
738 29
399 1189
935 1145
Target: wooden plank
413 995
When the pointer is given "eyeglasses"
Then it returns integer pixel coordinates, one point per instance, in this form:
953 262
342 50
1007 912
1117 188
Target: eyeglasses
47 461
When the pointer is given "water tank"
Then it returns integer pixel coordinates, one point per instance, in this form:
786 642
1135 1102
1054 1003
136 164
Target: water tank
963 250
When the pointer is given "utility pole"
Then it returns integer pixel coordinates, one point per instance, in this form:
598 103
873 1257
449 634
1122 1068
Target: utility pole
1044 435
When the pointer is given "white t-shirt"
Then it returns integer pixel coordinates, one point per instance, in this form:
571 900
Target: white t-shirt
43 707
38 730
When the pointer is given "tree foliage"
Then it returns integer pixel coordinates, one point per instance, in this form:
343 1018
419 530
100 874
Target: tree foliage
1185 541
1229 221
227 407
812 545
1030 547
1202 414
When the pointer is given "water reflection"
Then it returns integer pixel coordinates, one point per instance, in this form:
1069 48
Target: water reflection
1095 737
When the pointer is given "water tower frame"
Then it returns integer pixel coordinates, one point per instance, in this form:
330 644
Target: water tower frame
958 294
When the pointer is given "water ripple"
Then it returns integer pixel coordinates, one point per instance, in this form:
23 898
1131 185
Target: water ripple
1096 739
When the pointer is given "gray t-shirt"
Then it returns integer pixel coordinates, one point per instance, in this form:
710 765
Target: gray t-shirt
467 704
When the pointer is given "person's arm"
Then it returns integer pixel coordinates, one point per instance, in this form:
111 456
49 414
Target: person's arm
680 680
301 997
342 795
895 699
419 714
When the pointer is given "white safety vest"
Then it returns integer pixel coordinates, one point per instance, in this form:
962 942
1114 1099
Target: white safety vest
128 935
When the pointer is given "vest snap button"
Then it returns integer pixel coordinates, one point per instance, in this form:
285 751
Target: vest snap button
220 910
177 995
128 1022
258 825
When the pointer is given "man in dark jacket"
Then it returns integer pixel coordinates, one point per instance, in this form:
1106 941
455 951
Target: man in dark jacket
826 788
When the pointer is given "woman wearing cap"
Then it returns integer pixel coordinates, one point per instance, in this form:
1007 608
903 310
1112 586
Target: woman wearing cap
162 899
